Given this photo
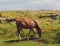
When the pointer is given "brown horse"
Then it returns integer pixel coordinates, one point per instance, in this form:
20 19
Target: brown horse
27 23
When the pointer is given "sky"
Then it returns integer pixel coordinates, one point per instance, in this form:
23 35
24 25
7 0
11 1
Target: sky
29 5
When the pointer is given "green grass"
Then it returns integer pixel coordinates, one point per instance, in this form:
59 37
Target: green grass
8 42
50 30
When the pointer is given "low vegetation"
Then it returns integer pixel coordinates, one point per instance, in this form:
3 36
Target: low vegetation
50 28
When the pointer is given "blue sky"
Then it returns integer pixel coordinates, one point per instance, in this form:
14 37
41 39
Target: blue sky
29 5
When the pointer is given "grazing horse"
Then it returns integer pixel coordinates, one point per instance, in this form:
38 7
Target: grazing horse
27 23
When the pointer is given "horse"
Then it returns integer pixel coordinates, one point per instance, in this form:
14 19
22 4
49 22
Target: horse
27 23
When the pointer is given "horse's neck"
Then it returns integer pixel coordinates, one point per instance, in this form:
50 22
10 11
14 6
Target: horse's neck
39 30
37 27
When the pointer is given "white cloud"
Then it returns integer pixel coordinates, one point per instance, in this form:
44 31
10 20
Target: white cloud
11 7
34 2
29 4
51 3
3 0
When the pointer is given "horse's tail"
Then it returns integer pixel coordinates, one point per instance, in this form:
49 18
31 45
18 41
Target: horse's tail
38 29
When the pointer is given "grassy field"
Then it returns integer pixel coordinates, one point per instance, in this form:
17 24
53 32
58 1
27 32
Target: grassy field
14 42
50 28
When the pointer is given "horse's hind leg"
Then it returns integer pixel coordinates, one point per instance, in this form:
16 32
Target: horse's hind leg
19 35
19 29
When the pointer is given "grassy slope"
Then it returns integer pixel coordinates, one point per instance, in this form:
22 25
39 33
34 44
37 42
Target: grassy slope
50 29
3 42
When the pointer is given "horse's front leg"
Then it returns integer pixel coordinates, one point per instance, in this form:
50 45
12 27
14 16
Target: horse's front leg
32 36
29 34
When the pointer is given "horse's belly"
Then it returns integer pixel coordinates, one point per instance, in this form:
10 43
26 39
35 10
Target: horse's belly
27 27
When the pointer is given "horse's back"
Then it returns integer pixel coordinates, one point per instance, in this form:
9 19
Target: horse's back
26 22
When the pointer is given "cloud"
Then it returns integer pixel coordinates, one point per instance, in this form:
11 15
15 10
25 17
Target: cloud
34 2
3 0
12 6
29 4
38 2
45 4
